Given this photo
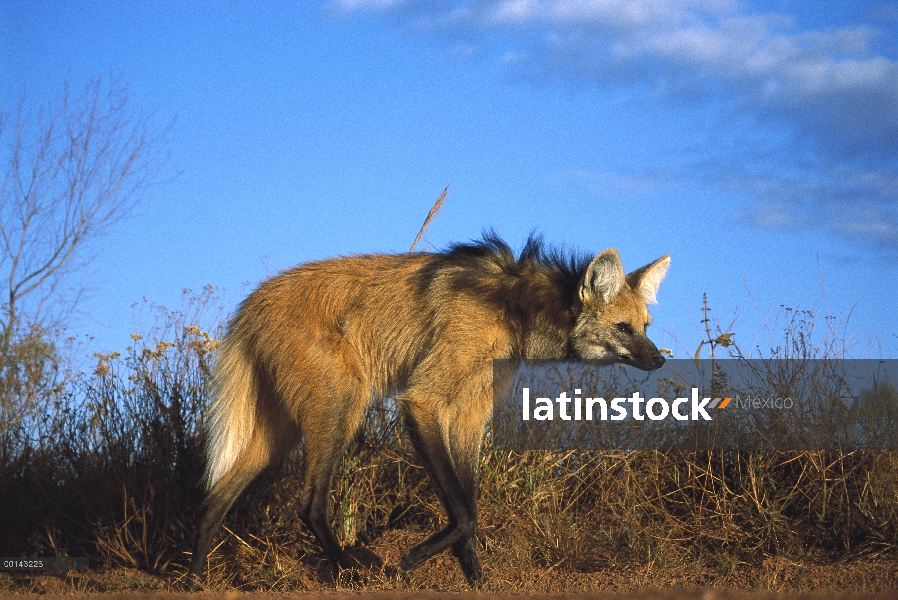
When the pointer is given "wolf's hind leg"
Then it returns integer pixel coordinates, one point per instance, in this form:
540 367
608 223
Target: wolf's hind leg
259 453
329 423
454 494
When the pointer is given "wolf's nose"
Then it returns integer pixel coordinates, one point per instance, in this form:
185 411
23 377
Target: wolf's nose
657 361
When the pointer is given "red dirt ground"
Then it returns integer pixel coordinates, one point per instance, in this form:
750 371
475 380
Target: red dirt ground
439 579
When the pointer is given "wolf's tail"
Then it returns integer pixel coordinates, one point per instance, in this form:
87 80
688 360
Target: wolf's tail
232 415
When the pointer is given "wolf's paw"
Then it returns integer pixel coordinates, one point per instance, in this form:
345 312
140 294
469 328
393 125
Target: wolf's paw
414 558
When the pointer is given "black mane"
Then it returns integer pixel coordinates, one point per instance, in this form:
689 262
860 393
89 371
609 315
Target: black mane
536 291
534 254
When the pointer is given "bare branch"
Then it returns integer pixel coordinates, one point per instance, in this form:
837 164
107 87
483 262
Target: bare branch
73 169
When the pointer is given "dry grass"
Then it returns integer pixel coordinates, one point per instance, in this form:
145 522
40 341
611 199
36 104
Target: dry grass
430 216
112 472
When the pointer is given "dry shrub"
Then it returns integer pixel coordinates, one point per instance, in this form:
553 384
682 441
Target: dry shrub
112 472
111 468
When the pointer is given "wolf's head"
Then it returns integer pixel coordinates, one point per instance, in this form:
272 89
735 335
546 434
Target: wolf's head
614 319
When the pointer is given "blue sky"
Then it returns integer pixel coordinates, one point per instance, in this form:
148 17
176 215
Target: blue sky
755 142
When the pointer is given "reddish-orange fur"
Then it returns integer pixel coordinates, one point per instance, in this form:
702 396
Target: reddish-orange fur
309 350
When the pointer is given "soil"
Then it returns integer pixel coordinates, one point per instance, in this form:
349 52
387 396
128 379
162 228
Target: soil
312 577
774 579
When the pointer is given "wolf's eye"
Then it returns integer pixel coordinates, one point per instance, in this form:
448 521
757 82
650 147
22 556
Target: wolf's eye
624 328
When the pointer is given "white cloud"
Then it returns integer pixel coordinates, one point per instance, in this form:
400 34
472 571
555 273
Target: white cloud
350 6
618 13
622 185
812 81
857 205
833 90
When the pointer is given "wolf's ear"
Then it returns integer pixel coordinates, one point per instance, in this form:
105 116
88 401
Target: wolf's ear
604 278
645 281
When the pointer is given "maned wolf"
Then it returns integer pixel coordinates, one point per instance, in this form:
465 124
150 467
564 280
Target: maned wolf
308 351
